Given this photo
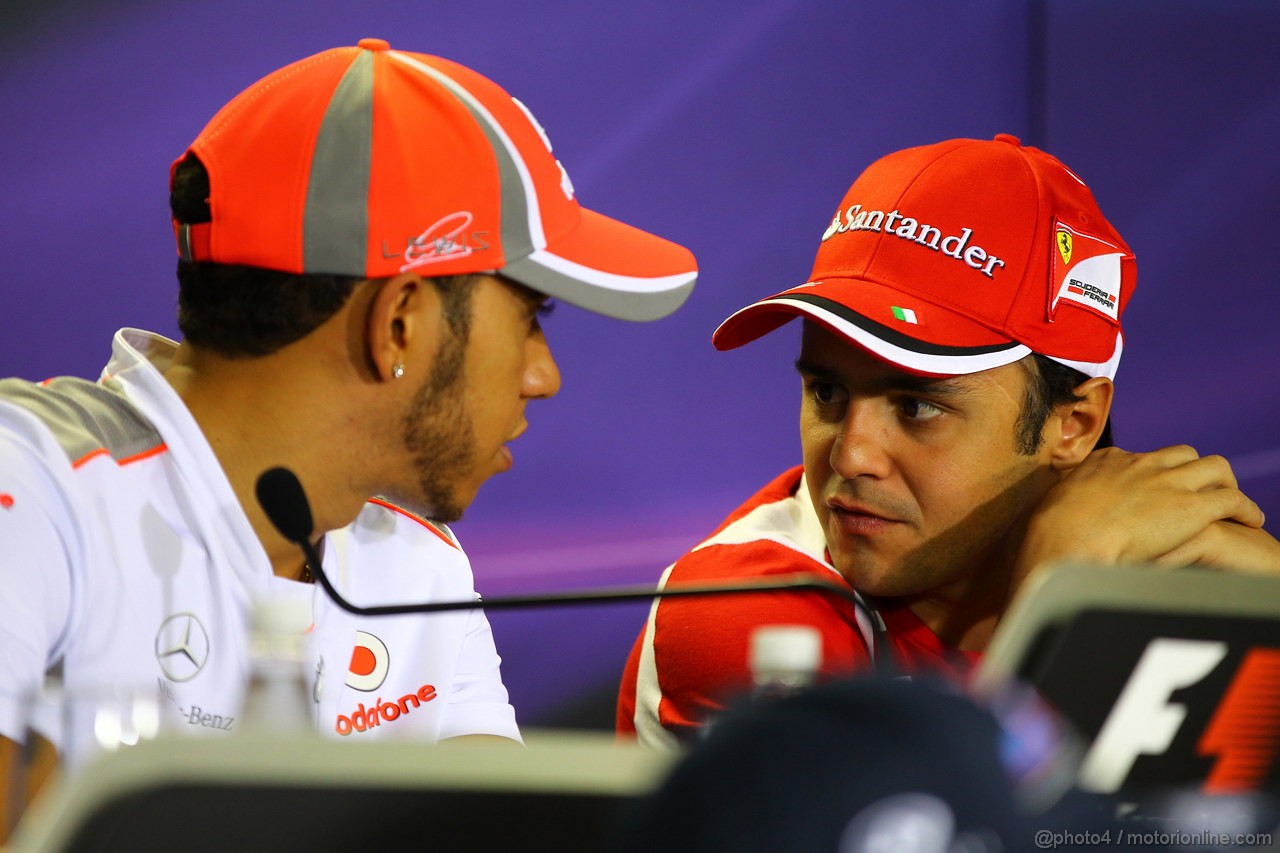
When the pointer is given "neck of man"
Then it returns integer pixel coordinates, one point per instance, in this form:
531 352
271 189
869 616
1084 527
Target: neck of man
963 619
965 613
278 410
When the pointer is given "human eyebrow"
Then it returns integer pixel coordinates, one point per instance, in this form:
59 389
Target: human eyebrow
817 370
939 388
537 305
533 299
943 388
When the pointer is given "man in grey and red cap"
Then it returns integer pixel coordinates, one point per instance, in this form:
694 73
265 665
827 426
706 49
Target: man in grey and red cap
368 238
961 334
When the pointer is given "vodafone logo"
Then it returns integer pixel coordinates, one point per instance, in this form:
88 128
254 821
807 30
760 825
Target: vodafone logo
369 663
366 672
362 719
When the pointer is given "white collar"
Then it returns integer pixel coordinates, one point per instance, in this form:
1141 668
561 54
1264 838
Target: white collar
138 359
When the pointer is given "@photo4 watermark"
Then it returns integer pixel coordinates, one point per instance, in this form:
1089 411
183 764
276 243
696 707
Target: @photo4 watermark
1054 840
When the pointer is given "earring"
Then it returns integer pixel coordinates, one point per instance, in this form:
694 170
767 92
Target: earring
397 370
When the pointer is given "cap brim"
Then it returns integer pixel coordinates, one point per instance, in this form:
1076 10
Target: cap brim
611 268
919 337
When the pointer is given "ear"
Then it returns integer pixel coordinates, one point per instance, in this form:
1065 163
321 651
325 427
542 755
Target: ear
403 326
1073 430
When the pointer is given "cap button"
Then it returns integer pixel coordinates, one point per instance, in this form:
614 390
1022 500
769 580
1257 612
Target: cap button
1008 138
374 44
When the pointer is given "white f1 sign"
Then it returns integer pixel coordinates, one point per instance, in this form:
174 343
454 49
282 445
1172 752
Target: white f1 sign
1143 721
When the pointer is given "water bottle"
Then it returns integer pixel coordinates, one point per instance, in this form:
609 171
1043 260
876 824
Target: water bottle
784 659
278 698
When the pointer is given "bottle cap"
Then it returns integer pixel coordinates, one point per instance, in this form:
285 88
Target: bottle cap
785 648
281 615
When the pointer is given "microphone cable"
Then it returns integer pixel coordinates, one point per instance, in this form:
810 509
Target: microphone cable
285 503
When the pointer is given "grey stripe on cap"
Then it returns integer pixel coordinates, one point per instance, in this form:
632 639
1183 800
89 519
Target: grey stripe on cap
335 226
519 219
637 306
517 241
84 416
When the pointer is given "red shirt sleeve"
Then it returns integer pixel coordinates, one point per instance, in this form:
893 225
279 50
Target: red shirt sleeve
699 645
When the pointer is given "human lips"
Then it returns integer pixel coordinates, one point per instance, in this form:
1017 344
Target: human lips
854 518
506 460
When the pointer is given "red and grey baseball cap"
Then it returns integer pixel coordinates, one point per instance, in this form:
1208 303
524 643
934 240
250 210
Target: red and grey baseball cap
962 256
370 162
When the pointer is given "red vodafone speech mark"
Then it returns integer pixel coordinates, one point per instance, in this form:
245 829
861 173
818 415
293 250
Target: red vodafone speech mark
363 661
369 663
6 500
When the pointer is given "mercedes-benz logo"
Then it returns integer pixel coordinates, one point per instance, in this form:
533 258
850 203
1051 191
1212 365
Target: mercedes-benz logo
182 646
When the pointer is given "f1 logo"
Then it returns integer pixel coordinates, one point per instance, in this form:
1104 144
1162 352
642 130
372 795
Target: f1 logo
1244 732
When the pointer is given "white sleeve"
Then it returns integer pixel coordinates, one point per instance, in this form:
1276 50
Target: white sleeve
478 702
35 575
392 555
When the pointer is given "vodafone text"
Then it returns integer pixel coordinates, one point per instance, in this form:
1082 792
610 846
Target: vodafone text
907 228
365 718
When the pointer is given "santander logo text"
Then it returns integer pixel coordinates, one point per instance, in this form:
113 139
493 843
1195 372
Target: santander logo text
365 718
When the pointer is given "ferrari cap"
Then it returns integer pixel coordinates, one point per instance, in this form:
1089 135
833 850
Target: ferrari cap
371 162
963 256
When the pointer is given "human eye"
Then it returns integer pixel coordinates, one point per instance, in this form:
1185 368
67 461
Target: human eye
825 393
915 409
540 312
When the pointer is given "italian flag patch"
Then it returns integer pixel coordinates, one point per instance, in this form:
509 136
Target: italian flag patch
906 315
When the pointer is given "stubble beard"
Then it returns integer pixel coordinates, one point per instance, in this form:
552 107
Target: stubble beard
971 564
440 436
977 551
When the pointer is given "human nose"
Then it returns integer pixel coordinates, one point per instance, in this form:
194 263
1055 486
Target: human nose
541 374
860 448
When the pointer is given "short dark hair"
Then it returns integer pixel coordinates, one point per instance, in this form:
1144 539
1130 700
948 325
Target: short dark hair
242 311
1049 383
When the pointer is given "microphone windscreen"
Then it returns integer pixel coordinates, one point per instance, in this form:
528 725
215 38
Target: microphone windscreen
285 504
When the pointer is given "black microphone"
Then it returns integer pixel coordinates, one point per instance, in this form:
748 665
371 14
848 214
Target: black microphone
286 505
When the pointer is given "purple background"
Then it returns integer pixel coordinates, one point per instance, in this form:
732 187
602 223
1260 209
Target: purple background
733 127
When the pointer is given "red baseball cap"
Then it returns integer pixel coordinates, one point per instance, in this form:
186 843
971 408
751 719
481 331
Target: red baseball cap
366 161
963 256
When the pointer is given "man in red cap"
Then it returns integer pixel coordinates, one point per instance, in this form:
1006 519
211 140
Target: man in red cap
368 238
961 334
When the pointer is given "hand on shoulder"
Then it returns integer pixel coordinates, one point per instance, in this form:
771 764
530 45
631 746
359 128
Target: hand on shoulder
1230 546
1168 506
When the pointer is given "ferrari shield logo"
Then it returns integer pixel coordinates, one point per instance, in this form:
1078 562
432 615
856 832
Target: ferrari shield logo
1064 245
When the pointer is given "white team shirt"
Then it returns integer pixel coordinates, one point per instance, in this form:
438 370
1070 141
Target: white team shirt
126 559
